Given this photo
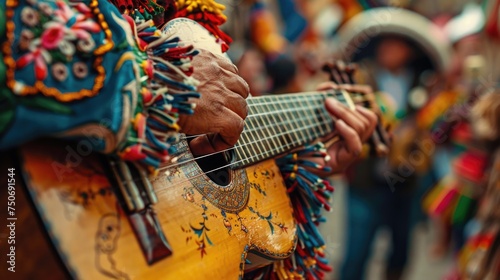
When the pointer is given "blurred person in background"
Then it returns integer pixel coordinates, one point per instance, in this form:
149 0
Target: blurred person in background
401 69
259 34
446 116
463 128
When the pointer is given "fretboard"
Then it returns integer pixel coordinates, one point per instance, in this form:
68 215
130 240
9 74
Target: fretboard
279 123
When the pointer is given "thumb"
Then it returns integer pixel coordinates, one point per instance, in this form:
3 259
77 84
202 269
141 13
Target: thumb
208 144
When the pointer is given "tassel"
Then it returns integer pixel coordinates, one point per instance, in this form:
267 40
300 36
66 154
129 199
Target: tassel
309 195
166 89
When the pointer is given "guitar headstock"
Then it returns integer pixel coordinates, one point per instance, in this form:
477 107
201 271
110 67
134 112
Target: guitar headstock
343 75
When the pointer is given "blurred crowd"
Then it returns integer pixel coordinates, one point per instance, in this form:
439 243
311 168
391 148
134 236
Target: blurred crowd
432 66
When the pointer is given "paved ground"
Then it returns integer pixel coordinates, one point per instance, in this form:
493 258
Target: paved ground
421 265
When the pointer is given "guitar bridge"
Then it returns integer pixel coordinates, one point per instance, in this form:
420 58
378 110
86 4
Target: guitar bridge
137 197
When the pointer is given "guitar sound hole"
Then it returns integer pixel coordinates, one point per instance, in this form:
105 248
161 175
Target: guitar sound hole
216 167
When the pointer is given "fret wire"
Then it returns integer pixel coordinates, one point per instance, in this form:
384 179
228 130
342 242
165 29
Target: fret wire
287 137
238 155
341 99
270 121
254 148
298 120
287 146
261 122
314 120
277 99
281 137
315 130
311 95
324 117
280 122
284 127
320 114
245 138
213 170
283 113
280 98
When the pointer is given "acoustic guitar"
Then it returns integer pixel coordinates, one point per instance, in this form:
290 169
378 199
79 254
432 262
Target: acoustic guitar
209 217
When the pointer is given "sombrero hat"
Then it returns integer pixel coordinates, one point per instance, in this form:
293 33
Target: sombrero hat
356 35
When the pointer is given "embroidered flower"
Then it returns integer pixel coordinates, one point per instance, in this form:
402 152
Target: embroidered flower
25 39
76 23
80 70
52 36
40 57
29 16
59 71
66 30
86 45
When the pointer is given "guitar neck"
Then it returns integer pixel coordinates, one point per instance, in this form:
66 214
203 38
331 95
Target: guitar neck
279 123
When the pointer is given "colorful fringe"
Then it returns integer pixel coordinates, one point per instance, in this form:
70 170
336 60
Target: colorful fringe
309 195
455 196
160 11
209 14
147 8
165 89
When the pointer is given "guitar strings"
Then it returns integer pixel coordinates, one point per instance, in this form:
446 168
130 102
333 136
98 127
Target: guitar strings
162 189
291 144
260 114
264 114
248 131
278 102
249 143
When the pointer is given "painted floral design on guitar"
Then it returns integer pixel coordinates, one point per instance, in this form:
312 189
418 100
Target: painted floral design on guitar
269 219
229 220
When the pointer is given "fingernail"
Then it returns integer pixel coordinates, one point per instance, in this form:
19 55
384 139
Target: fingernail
340 122
331 102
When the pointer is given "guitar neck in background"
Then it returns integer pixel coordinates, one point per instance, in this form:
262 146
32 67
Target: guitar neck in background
279 123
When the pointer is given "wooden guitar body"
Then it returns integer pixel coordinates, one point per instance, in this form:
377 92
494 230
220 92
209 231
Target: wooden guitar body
208 226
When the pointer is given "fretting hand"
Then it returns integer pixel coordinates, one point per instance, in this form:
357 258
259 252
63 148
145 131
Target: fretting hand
354 126
221 110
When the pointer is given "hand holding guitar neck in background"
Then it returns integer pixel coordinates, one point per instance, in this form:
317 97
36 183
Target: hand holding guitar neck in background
221 110
354 126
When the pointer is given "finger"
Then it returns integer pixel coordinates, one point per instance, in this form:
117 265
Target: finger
236 104
226 64
372 119
208 144
340 111
327 86
225 133
365 122
230 127
350 138
235 83
341 158
205 56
